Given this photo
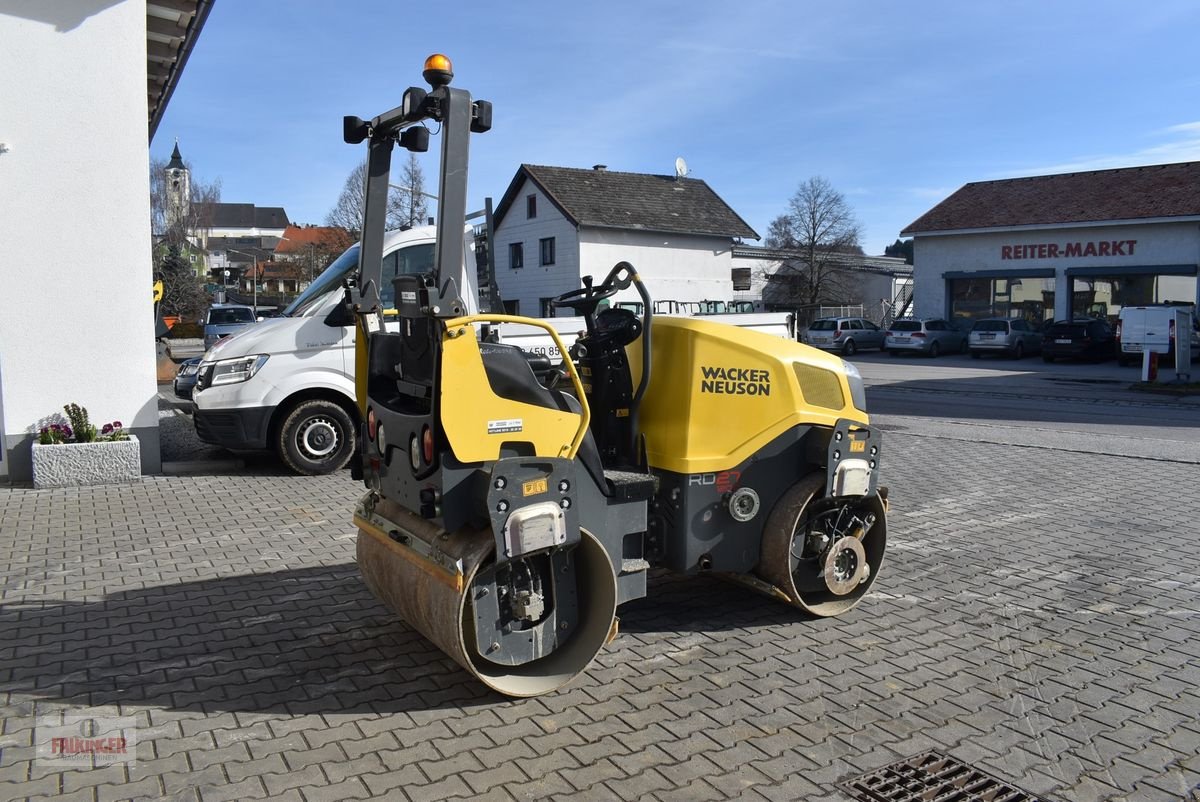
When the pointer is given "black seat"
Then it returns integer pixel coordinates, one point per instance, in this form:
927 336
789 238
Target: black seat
511 376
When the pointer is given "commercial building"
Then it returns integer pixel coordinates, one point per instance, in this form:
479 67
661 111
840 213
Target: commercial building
1059 246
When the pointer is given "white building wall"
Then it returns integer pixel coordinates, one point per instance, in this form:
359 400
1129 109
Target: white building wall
76 313
759 270
1155 244
676 267
529 284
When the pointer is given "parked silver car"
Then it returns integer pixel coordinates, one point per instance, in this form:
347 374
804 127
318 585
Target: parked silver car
1013 337
847 335
931 337
225 319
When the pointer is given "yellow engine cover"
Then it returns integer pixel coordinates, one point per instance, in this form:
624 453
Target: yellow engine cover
719 393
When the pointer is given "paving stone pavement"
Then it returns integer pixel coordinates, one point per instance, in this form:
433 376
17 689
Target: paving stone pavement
1037 617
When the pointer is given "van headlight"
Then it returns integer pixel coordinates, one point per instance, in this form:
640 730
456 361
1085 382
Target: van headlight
858 391
232 371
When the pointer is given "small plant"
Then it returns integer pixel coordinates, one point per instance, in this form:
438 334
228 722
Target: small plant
80 429
85 432
55 433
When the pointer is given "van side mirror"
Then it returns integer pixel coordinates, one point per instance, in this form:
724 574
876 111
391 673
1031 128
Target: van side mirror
342 314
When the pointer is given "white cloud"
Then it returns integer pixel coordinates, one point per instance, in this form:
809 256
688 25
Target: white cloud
1183 147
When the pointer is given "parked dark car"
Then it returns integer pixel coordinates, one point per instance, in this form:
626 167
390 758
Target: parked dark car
1082 338
185 377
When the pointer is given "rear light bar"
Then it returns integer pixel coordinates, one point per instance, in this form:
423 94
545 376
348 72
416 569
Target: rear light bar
918 334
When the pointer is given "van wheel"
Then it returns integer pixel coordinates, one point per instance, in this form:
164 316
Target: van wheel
316 437
849 349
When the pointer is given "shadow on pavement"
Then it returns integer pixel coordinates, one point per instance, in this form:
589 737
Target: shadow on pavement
310 640
1032 399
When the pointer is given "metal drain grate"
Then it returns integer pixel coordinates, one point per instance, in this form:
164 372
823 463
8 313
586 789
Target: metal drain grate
933 777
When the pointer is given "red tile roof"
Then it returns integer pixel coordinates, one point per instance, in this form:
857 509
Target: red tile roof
1130 193
296 239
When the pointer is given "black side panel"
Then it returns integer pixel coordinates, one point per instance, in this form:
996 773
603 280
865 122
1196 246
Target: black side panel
691 528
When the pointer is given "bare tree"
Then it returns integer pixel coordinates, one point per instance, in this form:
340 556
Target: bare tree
189 224
406 205
347 213
409 201
820 228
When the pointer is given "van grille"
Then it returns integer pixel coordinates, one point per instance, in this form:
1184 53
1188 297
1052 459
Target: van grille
821 388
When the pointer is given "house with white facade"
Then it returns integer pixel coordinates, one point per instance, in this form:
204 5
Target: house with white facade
86 84
555 225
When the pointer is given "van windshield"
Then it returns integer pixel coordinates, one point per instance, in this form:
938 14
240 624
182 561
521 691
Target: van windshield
330 279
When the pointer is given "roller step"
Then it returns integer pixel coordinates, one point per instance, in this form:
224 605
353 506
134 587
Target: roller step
634 566
630 485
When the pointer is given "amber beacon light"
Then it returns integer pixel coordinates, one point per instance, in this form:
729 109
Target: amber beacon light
438 70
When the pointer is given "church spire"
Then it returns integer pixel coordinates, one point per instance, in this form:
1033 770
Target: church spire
176 162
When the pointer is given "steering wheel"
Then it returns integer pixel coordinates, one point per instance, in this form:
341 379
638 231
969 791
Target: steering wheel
587 298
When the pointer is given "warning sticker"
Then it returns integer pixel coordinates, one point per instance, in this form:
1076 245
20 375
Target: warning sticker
535 486
505 426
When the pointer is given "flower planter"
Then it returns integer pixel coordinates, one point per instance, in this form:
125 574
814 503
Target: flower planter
75 464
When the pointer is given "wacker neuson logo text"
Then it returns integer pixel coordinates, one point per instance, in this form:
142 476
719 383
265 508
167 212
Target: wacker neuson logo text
735 381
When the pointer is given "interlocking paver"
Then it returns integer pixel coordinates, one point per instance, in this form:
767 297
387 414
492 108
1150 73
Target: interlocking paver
1056 650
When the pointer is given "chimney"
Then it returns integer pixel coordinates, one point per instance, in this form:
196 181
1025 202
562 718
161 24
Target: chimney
599 167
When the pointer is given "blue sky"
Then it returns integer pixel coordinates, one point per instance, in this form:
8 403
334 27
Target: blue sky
896 104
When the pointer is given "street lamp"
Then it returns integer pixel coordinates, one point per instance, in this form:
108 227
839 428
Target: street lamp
254 280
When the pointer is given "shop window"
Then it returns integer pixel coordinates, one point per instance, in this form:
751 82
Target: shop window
1029 298
1102 297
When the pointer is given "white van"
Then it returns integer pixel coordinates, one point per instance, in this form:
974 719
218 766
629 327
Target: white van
1156 328
287 384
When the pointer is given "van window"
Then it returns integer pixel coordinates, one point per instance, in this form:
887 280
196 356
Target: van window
408 261
330 279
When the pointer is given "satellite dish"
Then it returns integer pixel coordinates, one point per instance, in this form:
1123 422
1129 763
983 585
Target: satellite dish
681 168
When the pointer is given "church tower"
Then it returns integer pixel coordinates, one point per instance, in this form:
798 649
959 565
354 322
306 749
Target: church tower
178 188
